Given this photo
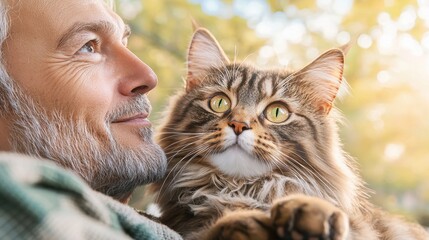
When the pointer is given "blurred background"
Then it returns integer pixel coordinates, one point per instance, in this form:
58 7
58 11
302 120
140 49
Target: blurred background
387 109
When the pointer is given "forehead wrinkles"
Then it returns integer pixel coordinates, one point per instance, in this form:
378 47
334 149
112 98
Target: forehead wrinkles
51 17
77 10
41 6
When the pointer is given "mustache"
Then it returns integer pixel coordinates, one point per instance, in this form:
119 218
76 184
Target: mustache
138 105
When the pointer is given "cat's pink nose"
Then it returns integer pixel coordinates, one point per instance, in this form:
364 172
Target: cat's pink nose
238 127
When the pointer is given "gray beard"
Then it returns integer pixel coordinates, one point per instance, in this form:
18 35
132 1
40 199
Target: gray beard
103 163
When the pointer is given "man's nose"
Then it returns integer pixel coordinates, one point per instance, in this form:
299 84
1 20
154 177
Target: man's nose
238 127
136 77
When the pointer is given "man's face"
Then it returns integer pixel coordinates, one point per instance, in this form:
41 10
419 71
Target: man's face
70 58
71 55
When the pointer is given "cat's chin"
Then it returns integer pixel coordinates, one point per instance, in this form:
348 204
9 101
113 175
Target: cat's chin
236 162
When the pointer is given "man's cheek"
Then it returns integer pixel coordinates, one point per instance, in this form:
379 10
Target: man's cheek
80 86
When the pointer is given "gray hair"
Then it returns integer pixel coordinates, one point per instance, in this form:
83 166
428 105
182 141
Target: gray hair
5 83
4 26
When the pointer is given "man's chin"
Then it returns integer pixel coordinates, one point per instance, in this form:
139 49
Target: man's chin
127 169
139 171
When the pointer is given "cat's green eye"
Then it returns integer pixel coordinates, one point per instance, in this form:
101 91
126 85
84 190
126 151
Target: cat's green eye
277 113
220 103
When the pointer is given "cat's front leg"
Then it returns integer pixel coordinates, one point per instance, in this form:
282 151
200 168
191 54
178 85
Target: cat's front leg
296 217
304 217
242 225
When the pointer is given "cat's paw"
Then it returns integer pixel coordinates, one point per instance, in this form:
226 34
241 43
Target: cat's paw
304 217
242 225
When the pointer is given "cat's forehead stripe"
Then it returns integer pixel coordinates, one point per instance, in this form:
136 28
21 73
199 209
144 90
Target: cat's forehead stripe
260 82
241 81
249 86
234 77
274 84
252 81
230 79
268 87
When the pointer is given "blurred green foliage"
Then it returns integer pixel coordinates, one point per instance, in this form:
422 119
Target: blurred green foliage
387 123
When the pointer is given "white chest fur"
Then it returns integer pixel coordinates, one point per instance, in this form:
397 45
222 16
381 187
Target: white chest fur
237 159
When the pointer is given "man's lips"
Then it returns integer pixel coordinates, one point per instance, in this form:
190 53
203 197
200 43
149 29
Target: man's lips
140 118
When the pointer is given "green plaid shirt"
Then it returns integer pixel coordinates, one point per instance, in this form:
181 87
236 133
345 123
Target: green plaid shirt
39 200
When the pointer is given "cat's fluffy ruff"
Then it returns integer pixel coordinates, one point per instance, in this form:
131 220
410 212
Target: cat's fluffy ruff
303 153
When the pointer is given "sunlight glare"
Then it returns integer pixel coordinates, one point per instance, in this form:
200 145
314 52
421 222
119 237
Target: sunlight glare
343 38
364 41
410 45
383 77
407 19
294 32
266 52
393 152
425 41
384 18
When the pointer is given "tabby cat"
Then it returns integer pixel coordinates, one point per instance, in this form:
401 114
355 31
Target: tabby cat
255 154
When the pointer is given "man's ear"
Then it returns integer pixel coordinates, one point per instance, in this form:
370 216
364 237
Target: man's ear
321 79
204 53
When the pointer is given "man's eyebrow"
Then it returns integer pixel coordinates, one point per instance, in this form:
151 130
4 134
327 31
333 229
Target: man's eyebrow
105 27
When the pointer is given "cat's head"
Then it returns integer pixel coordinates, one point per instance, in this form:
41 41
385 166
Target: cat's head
248 122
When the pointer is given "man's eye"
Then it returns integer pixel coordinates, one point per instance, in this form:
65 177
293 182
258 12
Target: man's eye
89 47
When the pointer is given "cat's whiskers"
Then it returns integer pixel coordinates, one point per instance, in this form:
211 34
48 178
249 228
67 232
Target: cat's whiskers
334 174
176 130
194 153
245 60
307 170
183 133
176 142
284 156
313 175
297 174
176 134
176 150
324 181
258 152
278 163
179 136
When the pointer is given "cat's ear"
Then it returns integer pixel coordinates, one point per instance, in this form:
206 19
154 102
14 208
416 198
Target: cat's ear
322 78
204 53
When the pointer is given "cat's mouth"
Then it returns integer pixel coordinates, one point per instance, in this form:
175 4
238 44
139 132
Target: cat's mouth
236 145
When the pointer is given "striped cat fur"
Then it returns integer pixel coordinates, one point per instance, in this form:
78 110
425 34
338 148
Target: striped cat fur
224 163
